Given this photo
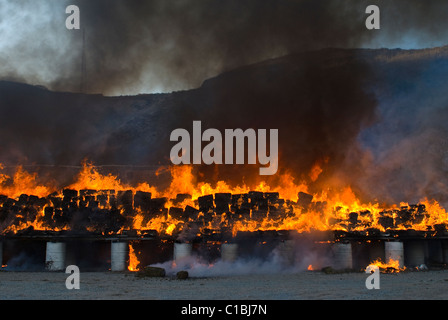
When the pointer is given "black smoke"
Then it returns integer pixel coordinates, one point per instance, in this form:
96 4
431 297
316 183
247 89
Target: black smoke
151 46
320 99
185 43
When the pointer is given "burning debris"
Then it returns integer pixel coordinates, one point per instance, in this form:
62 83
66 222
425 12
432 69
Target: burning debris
112 212
205 210
391 266
291 225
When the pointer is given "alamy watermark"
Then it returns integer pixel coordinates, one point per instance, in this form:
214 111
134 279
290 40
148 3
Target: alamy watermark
189 149
73 280
373 281
372 21
73 21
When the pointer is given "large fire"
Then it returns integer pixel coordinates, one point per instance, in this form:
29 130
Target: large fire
286 206
391 266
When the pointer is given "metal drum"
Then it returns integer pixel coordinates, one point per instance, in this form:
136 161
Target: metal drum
342 256
229 252
394 251
118 255
55 256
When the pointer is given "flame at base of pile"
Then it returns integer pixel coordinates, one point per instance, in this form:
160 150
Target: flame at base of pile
391 266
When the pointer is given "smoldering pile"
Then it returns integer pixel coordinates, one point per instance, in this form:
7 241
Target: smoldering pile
109 212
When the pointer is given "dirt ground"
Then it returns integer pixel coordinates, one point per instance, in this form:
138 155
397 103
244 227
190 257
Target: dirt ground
296 286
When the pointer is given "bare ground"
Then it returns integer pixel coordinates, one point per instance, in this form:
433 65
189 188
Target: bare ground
302 285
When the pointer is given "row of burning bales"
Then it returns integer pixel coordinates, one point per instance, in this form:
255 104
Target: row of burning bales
107 212
111 212
61 217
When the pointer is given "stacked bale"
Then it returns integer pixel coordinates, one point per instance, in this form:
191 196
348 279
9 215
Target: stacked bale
109 211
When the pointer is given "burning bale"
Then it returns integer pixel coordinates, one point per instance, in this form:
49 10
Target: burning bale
304 200
222 202
240 205
142 200
111 212
206 203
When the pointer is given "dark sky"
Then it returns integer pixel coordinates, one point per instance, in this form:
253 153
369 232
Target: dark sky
135 46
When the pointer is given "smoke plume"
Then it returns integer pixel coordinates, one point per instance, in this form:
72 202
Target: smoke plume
136 46
355 113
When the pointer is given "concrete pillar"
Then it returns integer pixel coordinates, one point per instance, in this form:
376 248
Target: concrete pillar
229 252
393 250
55 256
445 251
435 252
182 251
286 251
414 251
118 255
342 256
376 251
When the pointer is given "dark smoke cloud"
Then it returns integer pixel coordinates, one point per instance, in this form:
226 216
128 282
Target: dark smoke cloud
409 143
321 100
317 100
318 104
183 43
151 46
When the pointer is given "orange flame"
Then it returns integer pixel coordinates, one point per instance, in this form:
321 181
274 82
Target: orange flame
21 183
329 210
133 260
390 267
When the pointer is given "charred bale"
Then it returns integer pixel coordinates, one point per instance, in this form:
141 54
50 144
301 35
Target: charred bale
23 200
240 205
113 203
258 214
156 209
181 197
142 200
304 200
353 218
191 213
182 275
124 200
55 201
69 195
272 197
93 204
222 202
403 216
176 213
206 203
3 199
386 222
151 272
257 201
48 215
115 221
157 205
102 199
